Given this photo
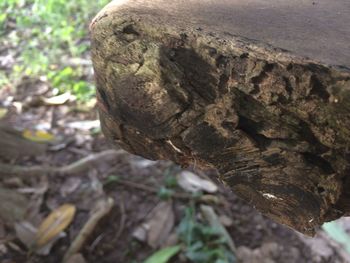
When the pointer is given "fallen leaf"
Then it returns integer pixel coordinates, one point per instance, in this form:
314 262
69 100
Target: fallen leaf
84 125
140 233
143 163
54 224
163 255
45 250
226 221
157 226
102 208
70 185
160 224
38 136
172 240
26 233
193 183
3 249
3 112
57 100
86 193
13 206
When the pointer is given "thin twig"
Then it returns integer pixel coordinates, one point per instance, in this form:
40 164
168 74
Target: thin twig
122 220
102 210
73 168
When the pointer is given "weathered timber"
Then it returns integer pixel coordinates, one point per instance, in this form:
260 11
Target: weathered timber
175 81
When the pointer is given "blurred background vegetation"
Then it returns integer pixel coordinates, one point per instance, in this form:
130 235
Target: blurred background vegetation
49 39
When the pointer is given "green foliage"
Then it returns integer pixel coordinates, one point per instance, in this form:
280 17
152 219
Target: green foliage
204 244
165 193
111 179
167 190
67 79
163 255
47 33
170 181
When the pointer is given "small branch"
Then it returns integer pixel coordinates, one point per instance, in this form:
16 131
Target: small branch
91 160
102 210
73 168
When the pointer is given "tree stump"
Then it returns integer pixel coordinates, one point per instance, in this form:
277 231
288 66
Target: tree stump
185 81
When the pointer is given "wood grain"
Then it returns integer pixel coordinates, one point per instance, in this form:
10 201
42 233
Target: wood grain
171 85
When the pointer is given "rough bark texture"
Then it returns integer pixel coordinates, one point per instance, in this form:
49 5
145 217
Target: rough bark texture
276 126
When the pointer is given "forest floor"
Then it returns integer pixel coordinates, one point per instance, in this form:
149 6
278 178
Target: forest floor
111 206
146 195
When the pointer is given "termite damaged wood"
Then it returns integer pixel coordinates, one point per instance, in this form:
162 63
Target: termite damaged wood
175 81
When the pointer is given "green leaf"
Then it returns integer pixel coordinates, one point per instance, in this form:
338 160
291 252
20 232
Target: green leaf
111 179
163 255
170 181
165 193
187 226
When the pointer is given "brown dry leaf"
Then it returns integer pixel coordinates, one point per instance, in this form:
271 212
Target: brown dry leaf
38 136
226 221
70 185
13 206
26 233
54 224
3 249
160 224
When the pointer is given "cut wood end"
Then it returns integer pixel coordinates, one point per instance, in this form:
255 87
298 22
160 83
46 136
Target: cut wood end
275 125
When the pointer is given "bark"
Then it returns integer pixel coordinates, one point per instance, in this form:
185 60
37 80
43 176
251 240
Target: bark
275 125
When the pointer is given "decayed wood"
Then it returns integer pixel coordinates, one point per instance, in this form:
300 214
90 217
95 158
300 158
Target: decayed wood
275 125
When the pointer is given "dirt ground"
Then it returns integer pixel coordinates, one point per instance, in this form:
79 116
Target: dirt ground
133 183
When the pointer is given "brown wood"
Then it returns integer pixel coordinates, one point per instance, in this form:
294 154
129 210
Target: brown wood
175 82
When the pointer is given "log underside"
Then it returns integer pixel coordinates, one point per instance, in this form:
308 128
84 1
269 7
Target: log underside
276 126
